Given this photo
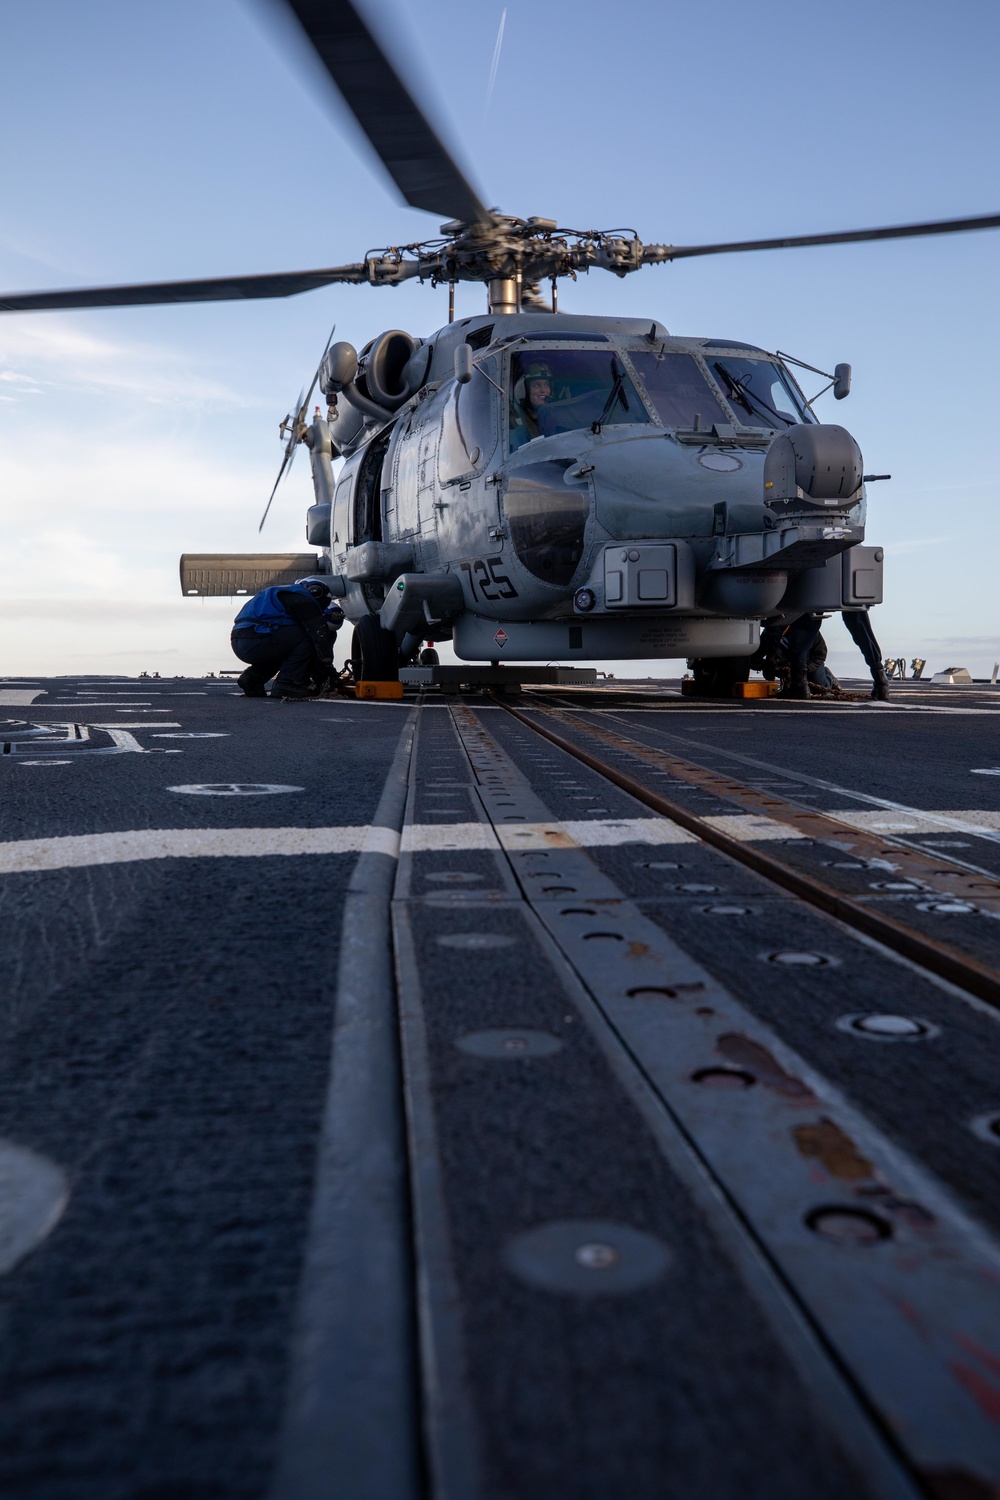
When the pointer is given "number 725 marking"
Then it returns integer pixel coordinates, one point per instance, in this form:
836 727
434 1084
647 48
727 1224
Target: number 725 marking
485 568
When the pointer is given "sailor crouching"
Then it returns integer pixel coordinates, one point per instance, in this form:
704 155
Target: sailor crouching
785 652
795 654
283 633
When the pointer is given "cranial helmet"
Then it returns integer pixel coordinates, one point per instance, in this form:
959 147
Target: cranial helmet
318 586
535 371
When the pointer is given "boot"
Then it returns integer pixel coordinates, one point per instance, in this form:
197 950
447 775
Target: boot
880 685
249 691
798 683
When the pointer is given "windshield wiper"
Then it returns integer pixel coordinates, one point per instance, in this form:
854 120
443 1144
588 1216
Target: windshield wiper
737 388
616 394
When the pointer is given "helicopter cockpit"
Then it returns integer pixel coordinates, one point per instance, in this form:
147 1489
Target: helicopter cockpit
559 390
563 390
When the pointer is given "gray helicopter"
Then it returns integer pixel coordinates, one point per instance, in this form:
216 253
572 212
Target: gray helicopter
530 484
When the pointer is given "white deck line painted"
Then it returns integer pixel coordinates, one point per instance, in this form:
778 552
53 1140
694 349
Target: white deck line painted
78 851
919 820
753 828
590 833
586 833
420 837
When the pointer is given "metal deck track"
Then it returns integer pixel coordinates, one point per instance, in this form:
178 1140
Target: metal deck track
931 882
660 1249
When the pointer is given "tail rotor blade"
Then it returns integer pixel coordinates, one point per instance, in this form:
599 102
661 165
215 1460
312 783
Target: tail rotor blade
293 426
298 426
286 464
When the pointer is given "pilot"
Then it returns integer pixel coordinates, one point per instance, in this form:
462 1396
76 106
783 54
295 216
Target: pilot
283 633
534 392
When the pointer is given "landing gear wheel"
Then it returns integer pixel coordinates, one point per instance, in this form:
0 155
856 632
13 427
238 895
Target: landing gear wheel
429 657
374 653
716 676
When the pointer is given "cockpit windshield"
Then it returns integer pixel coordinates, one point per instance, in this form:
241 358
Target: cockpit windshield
562 390
759 391
677 388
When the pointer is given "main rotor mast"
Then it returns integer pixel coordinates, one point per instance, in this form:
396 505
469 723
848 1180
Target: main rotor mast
510 257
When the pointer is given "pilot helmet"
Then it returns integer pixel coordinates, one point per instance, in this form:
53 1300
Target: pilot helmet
535 371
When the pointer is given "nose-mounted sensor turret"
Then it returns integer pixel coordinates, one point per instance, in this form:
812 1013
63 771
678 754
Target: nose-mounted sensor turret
815 466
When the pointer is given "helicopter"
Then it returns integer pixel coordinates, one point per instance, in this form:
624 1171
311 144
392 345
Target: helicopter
530 484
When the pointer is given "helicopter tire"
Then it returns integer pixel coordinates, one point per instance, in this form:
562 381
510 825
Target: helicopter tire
374 653
716 676
429 657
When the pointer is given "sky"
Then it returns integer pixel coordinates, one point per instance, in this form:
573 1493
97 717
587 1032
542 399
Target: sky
143 142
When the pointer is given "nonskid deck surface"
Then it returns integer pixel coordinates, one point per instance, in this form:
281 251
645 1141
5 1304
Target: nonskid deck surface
682 1186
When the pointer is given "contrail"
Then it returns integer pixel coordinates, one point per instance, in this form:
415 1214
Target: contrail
496 57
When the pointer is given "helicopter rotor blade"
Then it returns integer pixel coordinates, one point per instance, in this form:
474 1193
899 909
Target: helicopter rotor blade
217 289
407 144
654 253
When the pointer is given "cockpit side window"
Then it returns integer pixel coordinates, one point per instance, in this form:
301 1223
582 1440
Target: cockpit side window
677 388
469 425
759 392
563 390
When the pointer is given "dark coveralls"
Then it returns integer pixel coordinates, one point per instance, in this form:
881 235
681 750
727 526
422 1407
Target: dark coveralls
859 627
806 650
799 641
282 633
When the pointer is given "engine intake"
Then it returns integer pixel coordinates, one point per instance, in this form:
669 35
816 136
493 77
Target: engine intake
382 368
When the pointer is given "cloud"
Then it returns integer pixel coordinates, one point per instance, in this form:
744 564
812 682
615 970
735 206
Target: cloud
93 528
50 354
82 480
14 377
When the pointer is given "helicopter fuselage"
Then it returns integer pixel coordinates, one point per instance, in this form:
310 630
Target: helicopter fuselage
585 489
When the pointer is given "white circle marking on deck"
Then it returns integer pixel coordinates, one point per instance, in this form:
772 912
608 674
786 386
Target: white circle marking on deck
33 1194
234 789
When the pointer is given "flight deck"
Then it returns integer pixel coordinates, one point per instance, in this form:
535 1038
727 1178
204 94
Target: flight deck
469 1097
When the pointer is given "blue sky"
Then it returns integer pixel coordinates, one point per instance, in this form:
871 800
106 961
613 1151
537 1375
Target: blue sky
141 142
